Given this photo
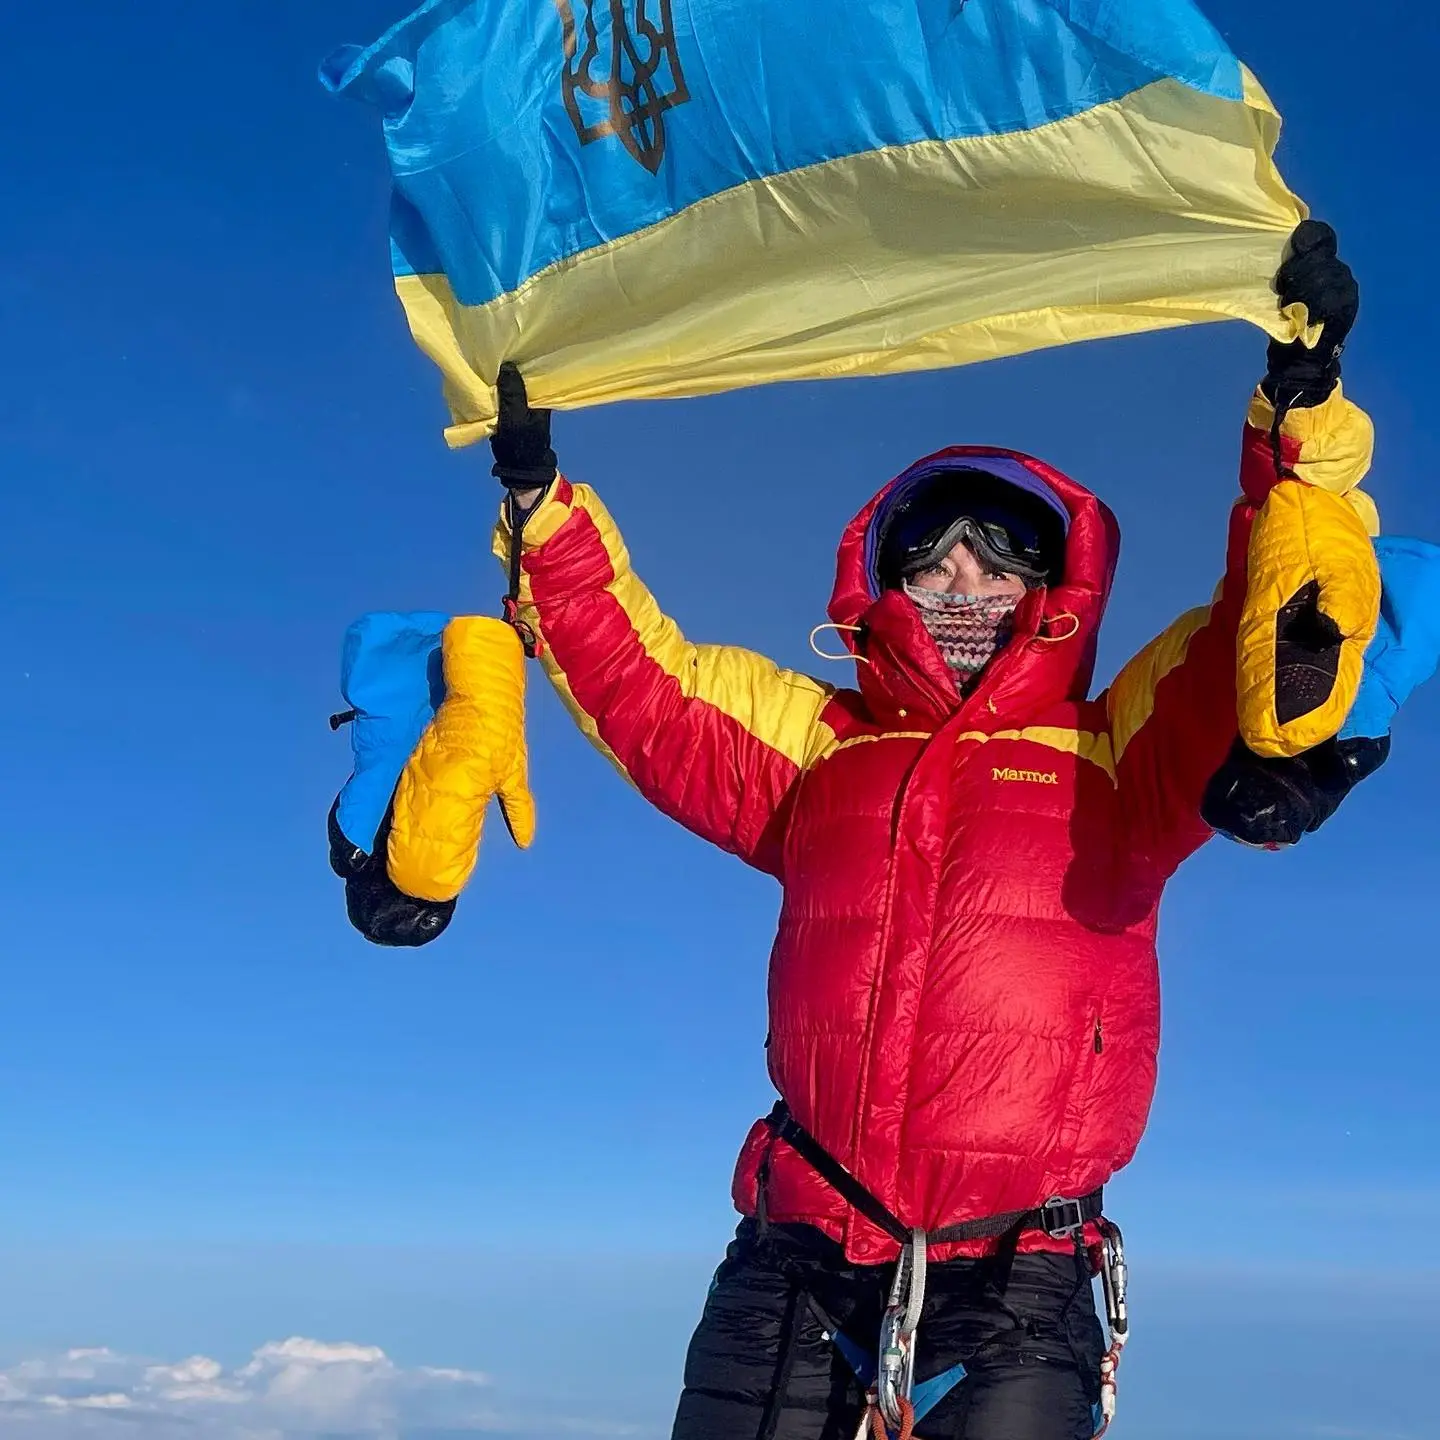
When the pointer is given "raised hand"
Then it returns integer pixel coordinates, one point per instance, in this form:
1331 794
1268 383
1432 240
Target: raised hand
1313 275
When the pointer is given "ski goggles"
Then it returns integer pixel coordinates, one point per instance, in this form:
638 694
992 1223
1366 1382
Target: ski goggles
1007 528
999 543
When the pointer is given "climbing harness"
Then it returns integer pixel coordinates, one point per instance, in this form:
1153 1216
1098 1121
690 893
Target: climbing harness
1058 1217
894 1403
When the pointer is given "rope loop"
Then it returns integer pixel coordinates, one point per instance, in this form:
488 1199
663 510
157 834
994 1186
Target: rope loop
1109 1385
878 1429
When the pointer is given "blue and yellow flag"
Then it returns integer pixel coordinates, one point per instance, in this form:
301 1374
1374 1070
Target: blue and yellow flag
639 198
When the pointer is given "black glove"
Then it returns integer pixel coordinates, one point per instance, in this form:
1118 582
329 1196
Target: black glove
1275 803
1314 274
377 908
521 442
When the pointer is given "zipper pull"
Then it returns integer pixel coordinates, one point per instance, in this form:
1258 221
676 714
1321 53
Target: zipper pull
1099 1037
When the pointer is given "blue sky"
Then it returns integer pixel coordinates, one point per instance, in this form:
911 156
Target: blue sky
225 1120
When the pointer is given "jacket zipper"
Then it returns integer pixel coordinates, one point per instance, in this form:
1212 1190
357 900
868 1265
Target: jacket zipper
1099 1036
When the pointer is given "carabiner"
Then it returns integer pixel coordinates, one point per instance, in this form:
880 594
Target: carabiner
895 1369
1115 1280
895 1376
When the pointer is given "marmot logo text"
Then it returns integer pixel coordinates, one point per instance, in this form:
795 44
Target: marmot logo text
1029 777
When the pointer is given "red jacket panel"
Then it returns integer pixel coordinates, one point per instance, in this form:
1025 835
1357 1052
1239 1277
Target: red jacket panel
964 1001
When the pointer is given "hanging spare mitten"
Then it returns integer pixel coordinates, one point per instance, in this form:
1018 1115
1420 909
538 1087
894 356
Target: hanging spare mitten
437 729
473 750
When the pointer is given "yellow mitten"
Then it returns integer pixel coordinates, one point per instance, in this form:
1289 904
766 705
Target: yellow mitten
473 749
1313 584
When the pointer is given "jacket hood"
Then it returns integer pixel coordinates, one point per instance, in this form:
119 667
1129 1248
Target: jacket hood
1051 655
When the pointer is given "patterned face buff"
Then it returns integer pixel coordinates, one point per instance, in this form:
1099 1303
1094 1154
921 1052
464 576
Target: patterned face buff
968 629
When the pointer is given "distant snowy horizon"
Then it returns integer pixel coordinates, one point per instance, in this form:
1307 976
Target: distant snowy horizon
288 1389
1311 1355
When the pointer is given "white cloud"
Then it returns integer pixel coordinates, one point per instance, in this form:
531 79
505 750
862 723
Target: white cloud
296 1389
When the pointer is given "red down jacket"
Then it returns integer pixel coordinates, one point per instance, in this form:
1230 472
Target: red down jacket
964 1002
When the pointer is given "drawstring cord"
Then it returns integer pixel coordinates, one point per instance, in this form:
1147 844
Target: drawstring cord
1283 404
848 655
1070 634
510 605
1282 409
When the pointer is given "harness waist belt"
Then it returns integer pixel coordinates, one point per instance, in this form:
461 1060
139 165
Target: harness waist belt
1059 1218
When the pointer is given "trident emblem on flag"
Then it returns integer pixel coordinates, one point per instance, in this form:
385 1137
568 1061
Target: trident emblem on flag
622 73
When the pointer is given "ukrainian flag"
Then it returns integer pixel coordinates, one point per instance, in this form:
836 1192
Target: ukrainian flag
640 198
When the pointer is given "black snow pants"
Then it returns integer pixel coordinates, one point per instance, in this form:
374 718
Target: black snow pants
760 1367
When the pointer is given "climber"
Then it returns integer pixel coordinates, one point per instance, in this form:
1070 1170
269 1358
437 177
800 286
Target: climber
964 998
